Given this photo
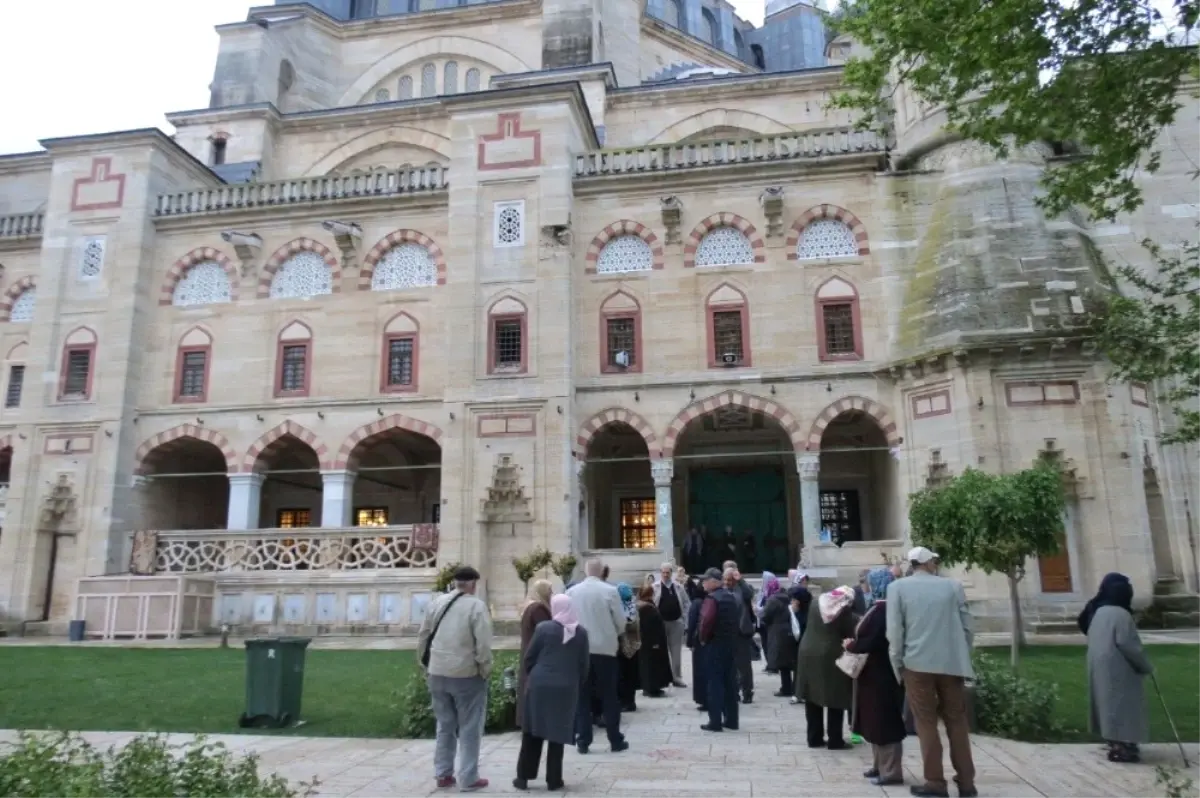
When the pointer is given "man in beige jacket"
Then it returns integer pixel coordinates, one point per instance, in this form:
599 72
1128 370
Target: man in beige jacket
454 647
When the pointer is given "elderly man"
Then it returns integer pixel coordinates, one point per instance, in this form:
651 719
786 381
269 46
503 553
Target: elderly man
718 634
743 646
672 602
455 645
929 642
598 607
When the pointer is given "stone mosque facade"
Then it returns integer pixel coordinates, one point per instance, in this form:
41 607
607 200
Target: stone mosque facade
435 282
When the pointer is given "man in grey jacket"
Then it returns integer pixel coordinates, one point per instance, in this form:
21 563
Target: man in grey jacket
929 642
672 602
457 635
599 609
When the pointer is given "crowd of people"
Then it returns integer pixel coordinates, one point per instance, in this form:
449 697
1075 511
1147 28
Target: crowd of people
892 653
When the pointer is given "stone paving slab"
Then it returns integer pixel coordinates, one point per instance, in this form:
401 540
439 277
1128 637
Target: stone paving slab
671 756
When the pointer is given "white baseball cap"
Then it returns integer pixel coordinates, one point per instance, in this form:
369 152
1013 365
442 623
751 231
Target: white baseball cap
921 555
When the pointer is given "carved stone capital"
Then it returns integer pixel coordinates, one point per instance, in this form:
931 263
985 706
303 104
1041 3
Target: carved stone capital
672 216
348 236
808 465
663 471
248 247
772 204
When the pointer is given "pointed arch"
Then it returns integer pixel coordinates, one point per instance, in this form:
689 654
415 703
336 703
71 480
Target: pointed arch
624 227
719 118
834 213
615 415
281 255
437 147
620 331
193 431
724 219
395 421
395 239
269 440
14 291
869 406
757 403
179 268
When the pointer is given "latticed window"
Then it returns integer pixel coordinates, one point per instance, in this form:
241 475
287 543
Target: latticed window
371 516
724 246
400 362
450 78
191 374
293 367
293 518
727 335
303 275
839 328
16 381
205 283
22 308
382 96
79 368
622 337
472 79
405 90
509 224
639 524
628 253
91 262
404 266
428 80
509 352
827 238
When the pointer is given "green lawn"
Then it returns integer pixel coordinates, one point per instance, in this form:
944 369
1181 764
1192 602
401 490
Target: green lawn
1177 668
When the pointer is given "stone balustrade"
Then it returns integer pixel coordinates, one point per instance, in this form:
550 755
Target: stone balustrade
307 549
301 191
21 225
782 147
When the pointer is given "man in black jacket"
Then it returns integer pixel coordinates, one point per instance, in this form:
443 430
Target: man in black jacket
744 644
718 635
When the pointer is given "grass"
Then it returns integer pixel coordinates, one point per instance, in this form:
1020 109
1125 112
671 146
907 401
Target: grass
1177 668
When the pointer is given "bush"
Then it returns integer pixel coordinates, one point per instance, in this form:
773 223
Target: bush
1013 706
415 708
67 765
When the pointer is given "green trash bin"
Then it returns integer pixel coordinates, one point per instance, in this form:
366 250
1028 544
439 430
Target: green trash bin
274 681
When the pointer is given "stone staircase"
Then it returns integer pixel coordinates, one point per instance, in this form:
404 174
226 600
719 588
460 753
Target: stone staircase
1172 607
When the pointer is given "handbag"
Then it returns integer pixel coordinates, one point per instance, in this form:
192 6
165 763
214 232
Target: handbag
851 664
795 625
433 634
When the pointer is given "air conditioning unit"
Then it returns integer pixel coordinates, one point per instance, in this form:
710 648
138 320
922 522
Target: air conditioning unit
730 359
621 359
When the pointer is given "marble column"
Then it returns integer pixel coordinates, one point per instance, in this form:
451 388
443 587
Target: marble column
662 471
808 465
245 497
337 498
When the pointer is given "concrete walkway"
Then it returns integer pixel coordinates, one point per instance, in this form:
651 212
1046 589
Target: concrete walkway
671 756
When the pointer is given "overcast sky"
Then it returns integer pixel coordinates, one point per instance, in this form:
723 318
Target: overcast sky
94 67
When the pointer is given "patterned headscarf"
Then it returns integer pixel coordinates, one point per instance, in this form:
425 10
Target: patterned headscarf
878 579
626 593
832 602
770 585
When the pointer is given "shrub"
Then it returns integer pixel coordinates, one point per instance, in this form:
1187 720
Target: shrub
67 765
1013 706
445 576
414 706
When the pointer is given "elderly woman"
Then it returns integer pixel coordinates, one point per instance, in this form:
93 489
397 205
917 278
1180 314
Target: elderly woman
1116 669
777 637
536 610
825 689
879 711
654 662
770 587
627 653
556 668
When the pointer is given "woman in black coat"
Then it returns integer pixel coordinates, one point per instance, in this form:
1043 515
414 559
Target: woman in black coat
654 661
801 600
781 646
878 715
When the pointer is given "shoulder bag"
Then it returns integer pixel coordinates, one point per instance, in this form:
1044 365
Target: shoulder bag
436 626
850 663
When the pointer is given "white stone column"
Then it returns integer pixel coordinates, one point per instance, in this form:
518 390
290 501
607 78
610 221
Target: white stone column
337 498
582 508
662 471
808 465
245 497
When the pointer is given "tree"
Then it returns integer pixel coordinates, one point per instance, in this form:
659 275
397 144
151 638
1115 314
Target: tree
528 566
564 566
994 523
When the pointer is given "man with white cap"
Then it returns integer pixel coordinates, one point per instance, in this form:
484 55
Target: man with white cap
929 641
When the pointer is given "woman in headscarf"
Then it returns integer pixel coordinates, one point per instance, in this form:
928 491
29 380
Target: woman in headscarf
777 635
556 669
1117 667
801 600
825 689
879 711
654 661
770 587
536 610
627 653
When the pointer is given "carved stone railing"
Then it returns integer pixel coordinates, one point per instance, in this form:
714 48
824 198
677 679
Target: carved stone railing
20 225
304 190
783 147
311 549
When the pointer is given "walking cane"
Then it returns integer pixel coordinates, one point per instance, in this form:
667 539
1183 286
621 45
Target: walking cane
1167 712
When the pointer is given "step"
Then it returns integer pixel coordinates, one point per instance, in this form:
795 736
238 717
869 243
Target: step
1063 627
1178 602
1169 585
1181 620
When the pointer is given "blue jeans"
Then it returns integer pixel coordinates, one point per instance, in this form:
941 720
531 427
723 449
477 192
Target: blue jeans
460 706
721 676
602 676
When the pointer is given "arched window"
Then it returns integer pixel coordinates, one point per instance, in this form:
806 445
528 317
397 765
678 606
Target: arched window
827 238
205 283
728 326
382 96
428 80
724 246
407 265
739 45
287 76
708 26
303 275
508 337
839 329
472 79
16 376
756 54
405 89
450 78
192 361
22 308
620 334
293 364
627 253
79 355
673 13
398 370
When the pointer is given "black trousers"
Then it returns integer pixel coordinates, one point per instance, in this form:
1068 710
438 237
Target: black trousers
721 683
785 681
531 757
602 673
822 721
745 668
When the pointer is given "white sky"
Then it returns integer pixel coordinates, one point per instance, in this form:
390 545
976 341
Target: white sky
94 67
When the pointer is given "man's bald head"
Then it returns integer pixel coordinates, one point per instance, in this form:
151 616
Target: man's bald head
593 568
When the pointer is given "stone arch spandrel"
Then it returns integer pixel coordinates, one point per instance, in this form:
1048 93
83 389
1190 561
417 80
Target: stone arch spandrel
720 118
193 431
437 145
874 409
613 415
395 421
705 406
273 435
13 292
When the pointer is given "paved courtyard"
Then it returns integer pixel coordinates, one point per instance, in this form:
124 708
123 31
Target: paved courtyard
670 755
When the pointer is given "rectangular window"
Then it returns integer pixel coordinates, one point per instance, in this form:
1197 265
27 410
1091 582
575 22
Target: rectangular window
192 369
621 339
400 363
508 344
293 518
727 336
293 367
839 329
79 369
16 380
371 516
839 516
638 524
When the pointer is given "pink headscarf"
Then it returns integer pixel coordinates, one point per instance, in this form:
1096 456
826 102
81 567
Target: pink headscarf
832 602
562 612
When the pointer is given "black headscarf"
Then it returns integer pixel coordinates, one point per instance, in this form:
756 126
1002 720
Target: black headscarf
1115 591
